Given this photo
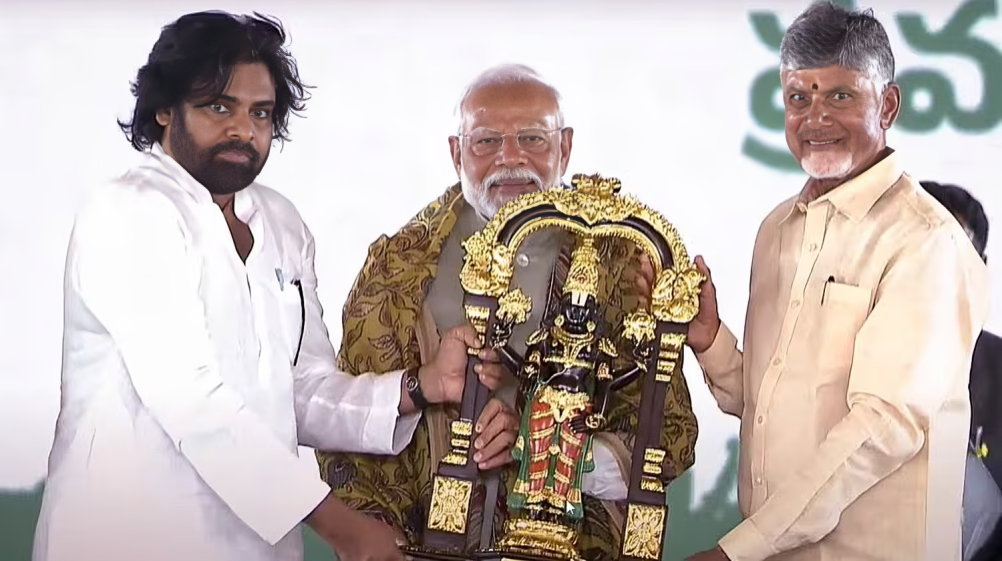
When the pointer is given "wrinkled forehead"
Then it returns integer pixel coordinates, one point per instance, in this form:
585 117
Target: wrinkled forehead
828 78
510 107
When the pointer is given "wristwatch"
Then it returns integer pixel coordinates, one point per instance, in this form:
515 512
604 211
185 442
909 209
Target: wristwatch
413 386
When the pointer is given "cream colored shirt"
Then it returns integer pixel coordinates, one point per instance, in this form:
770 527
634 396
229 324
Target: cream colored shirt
852 388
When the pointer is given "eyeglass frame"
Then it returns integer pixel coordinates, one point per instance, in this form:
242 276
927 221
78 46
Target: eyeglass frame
503 135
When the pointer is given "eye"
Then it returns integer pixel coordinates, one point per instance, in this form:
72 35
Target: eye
841 96
797 97
262 114
218 108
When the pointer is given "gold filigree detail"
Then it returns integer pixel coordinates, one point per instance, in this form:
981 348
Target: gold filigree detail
652 484
644 531
582 277
563 405
654 455
514 306
603 372
455 459
639 326
675 296
597 201
478 316
462 427
461 430
536 537
652 469
450 505
487 265
606 346
671 349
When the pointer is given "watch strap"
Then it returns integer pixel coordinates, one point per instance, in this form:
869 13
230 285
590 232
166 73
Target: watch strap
413 385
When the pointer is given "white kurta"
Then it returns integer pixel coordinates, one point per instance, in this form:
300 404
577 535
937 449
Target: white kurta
181 407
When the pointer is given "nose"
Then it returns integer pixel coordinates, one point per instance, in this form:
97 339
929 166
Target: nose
510 154
817 115
240 127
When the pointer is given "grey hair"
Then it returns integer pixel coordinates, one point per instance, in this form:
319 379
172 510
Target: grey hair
829 35
504 74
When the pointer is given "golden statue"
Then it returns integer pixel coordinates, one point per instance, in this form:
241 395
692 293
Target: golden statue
569 371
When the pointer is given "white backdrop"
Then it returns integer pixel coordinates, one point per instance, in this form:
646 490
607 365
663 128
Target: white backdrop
659 94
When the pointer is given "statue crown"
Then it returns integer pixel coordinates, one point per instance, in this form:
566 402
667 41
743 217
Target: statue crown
582 277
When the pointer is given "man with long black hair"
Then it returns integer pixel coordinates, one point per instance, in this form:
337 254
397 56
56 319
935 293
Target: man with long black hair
195 357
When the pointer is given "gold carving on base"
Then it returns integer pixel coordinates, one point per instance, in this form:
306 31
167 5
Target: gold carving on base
537 537
644 531
450 503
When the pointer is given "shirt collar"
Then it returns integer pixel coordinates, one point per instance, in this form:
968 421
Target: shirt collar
856 197
243 201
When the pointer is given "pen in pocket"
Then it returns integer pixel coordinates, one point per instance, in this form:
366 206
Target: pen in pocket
824 291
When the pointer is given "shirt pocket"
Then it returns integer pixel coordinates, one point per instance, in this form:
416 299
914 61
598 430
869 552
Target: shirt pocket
844 308
291 312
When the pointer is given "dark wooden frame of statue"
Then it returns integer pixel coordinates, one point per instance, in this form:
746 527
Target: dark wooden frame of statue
567 375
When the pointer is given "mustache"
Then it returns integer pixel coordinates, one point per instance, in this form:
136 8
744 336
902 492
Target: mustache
804 136
518 174
238 146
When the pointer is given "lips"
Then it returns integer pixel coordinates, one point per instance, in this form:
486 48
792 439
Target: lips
236 156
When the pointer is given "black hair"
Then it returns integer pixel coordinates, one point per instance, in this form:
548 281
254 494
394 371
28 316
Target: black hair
193 60
965 207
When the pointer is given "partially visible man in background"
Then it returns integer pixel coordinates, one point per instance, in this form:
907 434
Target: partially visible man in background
865 300
511 140
982 495
195 358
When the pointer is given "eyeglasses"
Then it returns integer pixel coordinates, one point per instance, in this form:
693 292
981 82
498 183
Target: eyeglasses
486 142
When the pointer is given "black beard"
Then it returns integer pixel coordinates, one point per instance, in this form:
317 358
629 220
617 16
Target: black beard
217 176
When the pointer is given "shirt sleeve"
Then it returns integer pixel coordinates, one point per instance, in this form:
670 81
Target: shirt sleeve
606 481
337 411
129 261
723 370
910 354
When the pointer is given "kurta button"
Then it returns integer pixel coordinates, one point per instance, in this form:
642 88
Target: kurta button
777 361
813 247
761 419
795 303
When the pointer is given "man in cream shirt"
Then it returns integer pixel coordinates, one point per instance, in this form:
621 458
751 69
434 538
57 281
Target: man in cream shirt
195 358
866 298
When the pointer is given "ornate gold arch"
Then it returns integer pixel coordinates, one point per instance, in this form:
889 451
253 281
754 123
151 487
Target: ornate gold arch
595 208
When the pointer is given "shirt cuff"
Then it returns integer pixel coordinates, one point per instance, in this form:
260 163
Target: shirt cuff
719 355
746 543
386 431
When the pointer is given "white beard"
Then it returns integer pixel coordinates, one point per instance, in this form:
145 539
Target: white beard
480 197
827 166
477 196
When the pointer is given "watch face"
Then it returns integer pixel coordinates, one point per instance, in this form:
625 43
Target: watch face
412 383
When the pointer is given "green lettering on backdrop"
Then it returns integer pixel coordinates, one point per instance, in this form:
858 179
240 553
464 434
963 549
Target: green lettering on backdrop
928 97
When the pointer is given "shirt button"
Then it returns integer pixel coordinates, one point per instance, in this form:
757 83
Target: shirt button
522 260
795 303
813 247
777 361
758 481
761 419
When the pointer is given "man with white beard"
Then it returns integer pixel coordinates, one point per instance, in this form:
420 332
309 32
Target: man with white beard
866 299
511 140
